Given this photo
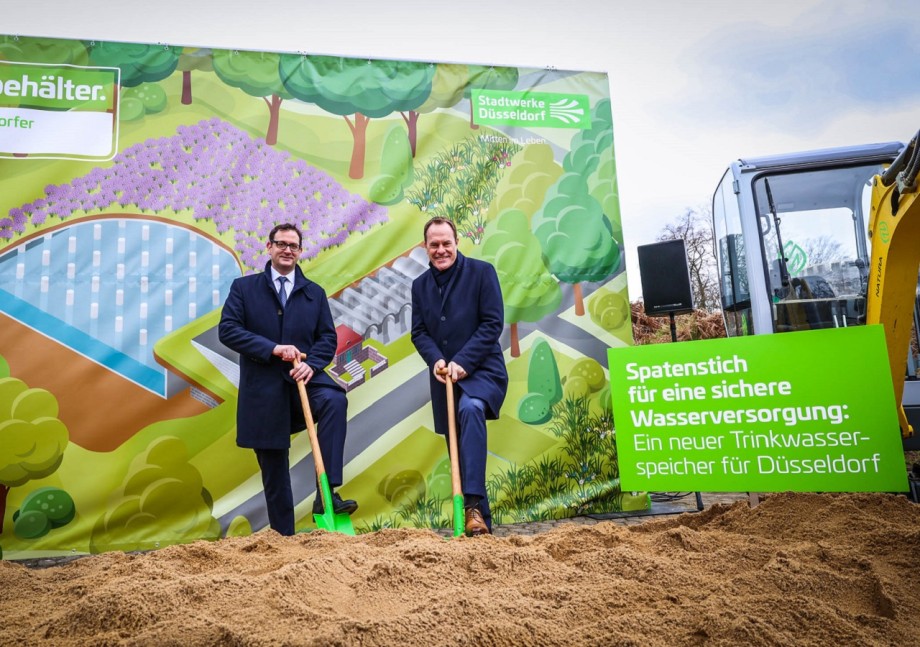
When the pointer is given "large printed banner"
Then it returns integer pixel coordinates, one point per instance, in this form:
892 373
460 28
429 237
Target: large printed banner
759 414
137 181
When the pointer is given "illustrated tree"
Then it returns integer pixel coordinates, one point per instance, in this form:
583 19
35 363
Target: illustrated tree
396 168
447 87
591 155
589 145
544 388
529 291
192 59
32 439
487 77
138 62
160 502
43 50
533 172
366 89
256 74
575 236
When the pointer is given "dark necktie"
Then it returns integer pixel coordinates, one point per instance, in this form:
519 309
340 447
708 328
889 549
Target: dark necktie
282 293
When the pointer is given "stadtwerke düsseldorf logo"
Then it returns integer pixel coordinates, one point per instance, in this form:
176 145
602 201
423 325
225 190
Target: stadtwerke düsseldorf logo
531 109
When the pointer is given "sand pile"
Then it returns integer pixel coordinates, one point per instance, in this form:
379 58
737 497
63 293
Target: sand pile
798 569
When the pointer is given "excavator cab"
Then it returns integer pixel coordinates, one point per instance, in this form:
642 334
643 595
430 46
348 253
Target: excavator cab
792 243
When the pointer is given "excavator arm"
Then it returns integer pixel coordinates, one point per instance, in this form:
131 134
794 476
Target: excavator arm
894 231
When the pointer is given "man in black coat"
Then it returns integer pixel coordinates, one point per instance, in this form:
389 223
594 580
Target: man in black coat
457 318
270 318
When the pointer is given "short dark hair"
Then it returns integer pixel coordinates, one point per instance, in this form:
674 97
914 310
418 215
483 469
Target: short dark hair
285 226
438 220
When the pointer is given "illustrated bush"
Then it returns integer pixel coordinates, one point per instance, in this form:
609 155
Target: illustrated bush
534 409
151 96
577 387
609 310
386 190
239 527
31 525
439 484
43 510
603 398
590 370
402 488
130 109
160 502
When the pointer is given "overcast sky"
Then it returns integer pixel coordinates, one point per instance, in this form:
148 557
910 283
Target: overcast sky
693 85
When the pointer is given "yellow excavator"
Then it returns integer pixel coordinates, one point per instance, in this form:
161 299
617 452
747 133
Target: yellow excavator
822 239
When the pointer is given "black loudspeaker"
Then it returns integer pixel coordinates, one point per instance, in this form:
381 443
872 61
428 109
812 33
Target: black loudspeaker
665 277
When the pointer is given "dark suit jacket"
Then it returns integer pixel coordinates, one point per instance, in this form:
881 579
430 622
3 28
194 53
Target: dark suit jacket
463 327
252 323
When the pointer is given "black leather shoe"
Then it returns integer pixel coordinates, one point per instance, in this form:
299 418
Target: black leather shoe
339 505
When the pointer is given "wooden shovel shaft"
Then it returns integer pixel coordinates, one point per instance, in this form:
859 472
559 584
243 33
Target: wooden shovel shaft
452 436
311 427
328 519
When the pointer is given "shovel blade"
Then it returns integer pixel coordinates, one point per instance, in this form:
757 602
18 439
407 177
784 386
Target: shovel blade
329 520
334 523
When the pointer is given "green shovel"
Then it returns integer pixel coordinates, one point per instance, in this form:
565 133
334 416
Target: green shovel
328 520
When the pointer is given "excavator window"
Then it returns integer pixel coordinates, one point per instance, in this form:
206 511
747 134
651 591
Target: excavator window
813 231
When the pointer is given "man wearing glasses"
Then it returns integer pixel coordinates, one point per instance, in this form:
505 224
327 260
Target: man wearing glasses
270 318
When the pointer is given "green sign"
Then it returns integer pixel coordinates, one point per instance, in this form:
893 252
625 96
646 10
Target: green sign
531 109
58 87
807 411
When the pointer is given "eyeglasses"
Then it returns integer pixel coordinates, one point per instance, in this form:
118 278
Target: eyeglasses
294 247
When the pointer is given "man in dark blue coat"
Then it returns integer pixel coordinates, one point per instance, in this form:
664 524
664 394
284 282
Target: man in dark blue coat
271 318
457 318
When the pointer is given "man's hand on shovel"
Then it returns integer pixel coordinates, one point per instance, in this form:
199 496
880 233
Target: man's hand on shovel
302 372
442 369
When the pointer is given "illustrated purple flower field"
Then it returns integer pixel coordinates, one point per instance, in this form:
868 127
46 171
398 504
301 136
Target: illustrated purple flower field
218 173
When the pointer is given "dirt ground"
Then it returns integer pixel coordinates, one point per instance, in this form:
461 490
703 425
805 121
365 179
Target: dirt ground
797 569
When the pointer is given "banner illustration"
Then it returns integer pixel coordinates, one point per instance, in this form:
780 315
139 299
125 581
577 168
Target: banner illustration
137 181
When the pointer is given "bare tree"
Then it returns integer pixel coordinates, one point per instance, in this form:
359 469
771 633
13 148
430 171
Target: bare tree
823 249
695 228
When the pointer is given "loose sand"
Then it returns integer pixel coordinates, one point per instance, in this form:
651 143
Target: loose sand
798 569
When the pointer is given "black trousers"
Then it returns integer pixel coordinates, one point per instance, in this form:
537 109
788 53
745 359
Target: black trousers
329 408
